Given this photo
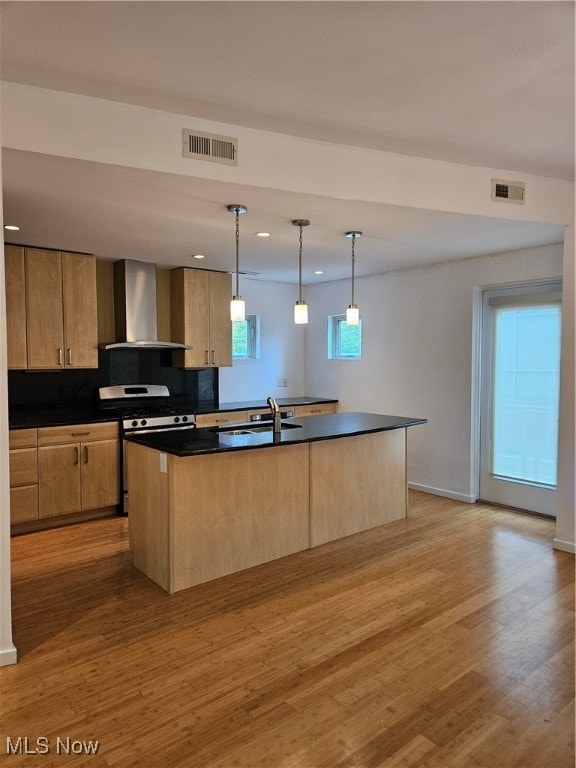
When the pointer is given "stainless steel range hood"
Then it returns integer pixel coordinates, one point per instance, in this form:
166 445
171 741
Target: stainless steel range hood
135 307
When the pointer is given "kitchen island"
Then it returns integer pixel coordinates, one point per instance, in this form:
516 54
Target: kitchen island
205 503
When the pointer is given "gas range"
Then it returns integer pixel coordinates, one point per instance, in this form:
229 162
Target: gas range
144 407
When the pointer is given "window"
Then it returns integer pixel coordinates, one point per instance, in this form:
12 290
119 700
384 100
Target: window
344 341
246 338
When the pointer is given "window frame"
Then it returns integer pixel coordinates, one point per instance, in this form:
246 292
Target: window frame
253 339
335 323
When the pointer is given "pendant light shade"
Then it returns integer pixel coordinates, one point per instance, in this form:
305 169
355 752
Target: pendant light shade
300 308
300 313
353 313
237 305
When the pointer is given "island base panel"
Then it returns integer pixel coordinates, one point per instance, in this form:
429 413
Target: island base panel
356 483
236 510
148 521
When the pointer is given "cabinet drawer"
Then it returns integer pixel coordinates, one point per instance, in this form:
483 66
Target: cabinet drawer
77 433
24 466
23 503
218 419
22 438
315 410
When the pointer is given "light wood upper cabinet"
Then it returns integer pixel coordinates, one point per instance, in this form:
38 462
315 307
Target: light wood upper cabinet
200 317
15 307
220 323
51 309
44 309
80 311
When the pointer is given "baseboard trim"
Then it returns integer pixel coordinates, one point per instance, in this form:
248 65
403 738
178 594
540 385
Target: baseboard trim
442 492
565 546
8 655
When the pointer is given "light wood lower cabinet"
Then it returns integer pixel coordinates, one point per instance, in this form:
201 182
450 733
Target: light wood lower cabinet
318 409
244 417
222 418
23 460
78 468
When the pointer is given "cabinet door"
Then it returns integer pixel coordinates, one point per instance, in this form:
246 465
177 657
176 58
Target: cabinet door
59 479
100 480
15 307
190 316
220 323
44 309
80 315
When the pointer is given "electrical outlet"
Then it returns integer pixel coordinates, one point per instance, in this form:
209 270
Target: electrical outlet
284 382
278 382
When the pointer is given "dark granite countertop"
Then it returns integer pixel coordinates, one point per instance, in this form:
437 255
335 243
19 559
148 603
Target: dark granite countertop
194 441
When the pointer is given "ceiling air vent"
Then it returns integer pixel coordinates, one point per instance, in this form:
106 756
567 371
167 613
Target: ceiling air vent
210 146
508 191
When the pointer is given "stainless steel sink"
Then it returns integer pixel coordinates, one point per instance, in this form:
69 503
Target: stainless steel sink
250 430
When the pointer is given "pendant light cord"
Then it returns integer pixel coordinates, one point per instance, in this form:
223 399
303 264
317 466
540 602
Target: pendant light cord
237 250
300 266
353 262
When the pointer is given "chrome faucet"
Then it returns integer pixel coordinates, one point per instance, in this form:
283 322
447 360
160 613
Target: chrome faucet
276 421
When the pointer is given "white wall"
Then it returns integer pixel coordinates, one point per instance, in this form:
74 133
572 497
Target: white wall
417 353
282 346
7 649
566 504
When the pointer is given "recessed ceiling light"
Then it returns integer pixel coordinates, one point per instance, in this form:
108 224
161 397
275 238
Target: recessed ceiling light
12 227
197 255
262 234
318 271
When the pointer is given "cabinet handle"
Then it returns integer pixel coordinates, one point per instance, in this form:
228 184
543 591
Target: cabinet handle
60 356
213 357
85 454
206 357
69 356
76 457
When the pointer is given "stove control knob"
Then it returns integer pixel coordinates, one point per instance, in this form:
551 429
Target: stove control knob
143 423
176 419
184 418
134 423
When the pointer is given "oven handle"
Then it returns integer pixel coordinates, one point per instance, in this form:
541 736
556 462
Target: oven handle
129 432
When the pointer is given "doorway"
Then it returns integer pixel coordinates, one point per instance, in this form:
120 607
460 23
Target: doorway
520 384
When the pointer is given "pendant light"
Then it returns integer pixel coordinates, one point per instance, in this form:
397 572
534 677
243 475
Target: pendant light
300 308
237 305
353 313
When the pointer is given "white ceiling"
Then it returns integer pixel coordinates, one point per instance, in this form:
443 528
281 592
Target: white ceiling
483 83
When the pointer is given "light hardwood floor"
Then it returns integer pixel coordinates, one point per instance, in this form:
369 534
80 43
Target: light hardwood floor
445 640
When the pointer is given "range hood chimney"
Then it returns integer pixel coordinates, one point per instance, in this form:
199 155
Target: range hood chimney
135 307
